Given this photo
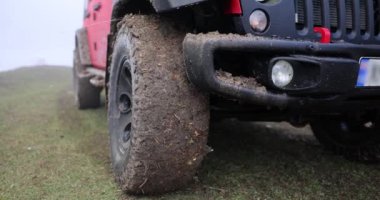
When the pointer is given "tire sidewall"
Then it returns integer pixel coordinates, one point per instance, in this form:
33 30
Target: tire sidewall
170 118
121 51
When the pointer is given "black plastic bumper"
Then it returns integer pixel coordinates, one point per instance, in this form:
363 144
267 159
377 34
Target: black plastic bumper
343 58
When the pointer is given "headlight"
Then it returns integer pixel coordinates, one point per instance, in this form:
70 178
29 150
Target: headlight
258 21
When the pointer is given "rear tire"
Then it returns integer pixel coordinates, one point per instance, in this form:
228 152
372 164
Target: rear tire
87 96
352 138
158 122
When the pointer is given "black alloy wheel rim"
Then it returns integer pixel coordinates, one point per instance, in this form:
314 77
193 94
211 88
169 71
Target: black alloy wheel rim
124 106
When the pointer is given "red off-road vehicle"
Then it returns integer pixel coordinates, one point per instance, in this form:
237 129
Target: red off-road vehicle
168 65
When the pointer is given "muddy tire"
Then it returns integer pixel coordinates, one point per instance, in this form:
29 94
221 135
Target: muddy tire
158 122
358 141
87 96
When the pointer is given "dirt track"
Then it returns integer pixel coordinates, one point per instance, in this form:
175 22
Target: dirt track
50 150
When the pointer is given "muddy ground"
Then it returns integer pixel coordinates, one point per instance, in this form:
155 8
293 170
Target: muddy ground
50 150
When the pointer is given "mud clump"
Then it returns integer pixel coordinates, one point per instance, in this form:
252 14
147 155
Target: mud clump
240 81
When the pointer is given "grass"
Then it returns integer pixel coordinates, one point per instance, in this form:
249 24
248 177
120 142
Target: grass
50 150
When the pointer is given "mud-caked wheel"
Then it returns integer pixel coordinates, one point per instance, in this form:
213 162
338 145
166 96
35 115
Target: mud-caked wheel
355 138
158 122
86 95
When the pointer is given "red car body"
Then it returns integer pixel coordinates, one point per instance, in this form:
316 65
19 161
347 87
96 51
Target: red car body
97 22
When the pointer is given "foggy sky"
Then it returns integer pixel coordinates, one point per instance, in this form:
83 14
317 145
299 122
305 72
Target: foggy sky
36 32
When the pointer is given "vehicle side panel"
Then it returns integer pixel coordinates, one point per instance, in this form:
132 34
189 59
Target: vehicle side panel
97 22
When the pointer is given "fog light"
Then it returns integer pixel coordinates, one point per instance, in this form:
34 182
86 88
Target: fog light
258 21
282 73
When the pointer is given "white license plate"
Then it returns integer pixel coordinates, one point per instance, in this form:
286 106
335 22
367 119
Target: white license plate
369 75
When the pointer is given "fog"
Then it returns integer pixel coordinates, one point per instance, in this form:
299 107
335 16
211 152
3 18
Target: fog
38 32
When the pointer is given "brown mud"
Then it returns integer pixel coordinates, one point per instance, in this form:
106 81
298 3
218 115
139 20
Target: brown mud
240 81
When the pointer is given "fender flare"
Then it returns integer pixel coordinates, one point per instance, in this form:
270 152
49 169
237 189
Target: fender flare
167 5
161 6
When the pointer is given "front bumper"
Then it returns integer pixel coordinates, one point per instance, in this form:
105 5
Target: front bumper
338 70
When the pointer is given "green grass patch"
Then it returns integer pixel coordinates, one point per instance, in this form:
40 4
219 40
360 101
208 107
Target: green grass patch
50 150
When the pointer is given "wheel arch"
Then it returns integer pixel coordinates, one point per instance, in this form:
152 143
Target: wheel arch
124 7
